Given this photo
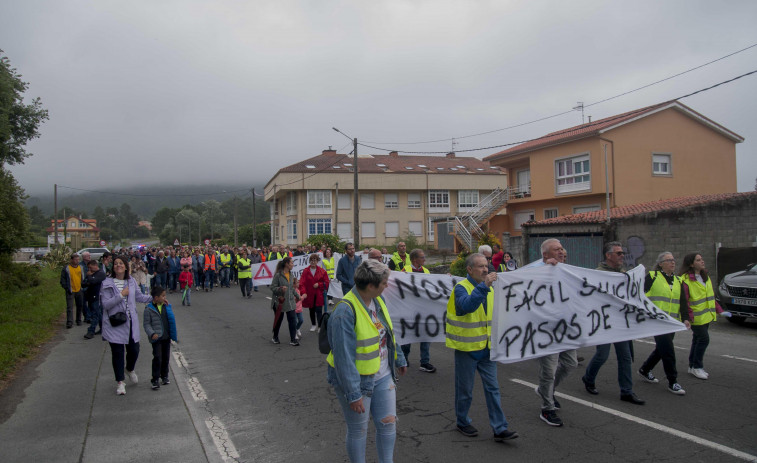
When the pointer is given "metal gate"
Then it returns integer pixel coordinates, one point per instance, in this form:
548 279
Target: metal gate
583 250
444 238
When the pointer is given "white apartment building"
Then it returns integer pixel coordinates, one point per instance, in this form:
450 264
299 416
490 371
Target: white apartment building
397 195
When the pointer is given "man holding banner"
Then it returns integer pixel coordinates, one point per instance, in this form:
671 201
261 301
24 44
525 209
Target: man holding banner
417 259
623 350
469 315
553 368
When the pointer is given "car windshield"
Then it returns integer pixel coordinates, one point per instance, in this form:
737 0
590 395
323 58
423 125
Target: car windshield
752 270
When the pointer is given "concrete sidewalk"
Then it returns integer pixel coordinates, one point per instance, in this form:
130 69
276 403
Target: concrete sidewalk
69 411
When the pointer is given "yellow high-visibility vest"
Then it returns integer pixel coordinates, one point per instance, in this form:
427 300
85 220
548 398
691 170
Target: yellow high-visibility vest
666 298
328 265
701 300
470 332
367 359
409 269
247 273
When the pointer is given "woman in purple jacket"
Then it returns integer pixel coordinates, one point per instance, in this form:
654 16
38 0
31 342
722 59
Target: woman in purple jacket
120 293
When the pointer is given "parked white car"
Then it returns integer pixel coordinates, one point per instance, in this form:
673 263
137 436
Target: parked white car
738 294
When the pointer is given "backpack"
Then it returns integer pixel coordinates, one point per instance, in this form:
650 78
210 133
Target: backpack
323 337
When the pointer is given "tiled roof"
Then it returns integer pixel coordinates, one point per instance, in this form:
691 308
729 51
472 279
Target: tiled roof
598 127
331 162
662 205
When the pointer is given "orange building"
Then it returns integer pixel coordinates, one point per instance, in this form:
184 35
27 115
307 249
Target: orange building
85 229
662 151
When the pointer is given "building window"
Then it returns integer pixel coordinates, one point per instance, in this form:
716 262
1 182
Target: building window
550 213
430 230
467 199
369 230
522 217
291 230
275 208
367 201
319 227
292 203
344 230
392 229
661 164
438 200
413 200
391 201
319 202
344 201
587 208
415 228
573 174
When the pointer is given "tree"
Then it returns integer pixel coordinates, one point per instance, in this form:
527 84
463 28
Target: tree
185 218
19 123
163 217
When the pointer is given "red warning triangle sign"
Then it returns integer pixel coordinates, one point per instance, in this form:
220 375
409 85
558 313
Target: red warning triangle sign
263 273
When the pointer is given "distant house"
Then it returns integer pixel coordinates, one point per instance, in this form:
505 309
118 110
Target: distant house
398 195
145 223
85 229
661 151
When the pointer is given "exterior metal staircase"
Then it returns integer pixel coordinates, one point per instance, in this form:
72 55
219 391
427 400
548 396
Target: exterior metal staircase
467 227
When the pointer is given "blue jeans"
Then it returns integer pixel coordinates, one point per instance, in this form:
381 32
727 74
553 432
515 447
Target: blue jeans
225 276
173 279
700 339
425 357
160 280
466 364
95 314
210 278
197 277
382 407
186 300
623 352
300 320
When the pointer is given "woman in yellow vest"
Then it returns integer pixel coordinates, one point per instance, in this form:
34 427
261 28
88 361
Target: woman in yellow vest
328 265
361 364
697 289
663 288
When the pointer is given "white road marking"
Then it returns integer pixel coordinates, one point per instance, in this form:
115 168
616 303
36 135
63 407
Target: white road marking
215 426
740 358
644 341
651 424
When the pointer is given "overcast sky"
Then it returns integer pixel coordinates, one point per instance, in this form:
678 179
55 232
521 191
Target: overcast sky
200 92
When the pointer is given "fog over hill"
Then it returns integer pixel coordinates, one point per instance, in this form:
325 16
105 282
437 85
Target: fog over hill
144 200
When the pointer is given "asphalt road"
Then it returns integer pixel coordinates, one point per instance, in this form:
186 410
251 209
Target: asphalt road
273 404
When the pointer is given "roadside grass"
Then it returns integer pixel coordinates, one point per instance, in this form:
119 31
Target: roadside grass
28 318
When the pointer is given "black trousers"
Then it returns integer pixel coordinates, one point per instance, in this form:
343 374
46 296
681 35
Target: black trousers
291 321
161 353
117 356
665 351
315 315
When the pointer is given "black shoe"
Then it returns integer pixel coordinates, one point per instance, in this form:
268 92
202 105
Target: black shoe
69 325
631 398
468 430
580 359
165 381
87 320
505 435
78 322
294 343
275 341
557 404
98 331
155 384
89 335
590 388
550 417
427 367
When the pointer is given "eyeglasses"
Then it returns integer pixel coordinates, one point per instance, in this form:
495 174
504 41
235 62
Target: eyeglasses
669 260
620 253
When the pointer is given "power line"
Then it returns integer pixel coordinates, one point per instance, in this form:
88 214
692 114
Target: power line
338 159
566 112
151 195
591 124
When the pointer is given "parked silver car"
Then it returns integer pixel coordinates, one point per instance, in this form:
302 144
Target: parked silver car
738 294
94 253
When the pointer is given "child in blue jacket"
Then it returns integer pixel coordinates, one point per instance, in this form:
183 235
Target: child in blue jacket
160 326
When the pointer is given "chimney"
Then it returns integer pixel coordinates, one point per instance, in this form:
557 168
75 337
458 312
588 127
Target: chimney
451 154
589 119
394 154
329 151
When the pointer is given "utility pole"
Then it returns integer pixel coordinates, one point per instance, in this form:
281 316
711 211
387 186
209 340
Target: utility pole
55 220
65 226
235 221
336 211
356 226
254 221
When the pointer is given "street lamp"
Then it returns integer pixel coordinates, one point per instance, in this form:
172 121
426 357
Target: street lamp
355 218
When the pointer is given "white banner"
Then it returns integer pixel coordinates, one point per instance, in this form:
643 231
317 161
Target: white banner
262 273
537 311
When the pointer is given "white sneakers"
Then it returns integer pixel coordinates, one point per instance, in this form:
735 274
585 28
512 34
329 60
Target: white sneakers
677 389
313 328
132 376
299 334
699 373
121 389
